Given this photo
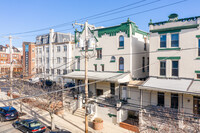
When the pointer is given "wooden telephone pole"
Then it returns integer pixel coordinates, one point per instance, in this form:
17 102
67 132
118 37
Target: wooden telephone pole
86 26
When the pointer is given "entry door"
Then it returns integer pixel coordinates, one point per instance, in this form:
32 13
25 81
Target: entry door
196 104
124 92
99 92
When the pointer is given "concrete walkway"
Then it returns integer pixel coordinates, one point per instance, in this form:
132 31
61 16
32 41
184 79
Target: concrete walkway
67 121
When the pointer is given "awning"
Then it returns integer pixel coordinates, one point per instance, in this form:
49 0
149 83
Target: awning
100 76
135 83
195 87
168 85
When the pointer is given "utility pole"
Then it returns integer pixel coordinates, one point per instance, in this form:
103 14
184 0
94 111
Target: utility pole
11 69
86 25
86 77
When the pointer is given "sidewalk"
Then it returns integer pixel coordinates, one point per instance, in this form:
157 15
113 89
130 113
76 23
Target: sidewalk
66 121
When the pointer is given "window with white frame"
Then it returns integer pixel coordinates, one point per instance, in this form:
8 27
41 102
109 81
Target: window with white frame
64 59
199 47
99 54
47 59
112 59
121 64
198 75
58 60
175 67
175 40
40 60
58 71
163 41
78 63
64 71
121 41
58 48
47 49
143 64
52 71
163 68
65 48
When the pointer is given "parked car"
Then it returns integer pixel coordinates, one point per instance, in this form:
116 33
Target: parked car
70 84
8 113
29 126
50 83
61 131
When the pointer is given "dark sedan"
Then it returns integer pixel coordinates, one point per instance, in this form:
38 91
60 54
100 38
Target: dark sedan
8 113
29 126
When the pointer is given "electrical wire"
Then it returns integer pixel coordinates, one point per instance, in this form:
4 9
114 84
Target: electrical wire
70 22
102 16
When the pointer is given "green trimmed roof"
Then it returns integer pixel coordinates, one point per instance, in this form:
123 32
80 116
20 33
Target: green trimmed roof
174 16
112 31
123 27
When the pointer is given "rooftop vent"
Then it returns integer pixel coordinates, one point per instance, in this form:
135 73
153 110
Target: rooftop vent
173 17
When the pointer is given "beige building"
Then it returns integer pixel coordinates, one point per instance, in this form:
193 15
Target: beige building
121 55
173 85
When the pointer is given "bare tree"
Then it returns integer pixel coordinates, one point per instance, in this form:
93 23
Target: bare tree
165 120
51 102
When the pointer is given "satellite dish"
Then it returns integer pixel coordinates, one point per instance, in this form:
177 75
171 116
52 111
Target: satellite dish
91 43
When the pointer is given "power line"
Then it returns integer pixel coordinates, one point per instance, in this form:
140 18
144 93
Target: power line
60 25
142 11
70 22
152 2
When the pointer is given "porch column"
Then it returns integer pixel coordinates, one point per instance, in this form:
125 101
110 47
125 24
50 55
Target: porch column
63 93
141 104
119 119
80 99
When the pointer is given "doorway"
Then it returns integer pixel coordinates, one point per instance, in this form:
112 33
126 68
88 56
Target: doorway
99 92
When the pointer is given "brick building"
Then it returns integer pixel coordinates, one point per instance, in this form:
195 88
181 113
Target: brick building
5 60
29 59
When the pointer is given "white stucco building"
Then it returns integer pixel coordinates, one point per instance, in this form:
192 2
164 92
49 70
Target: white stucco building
120 56
174 73
54 53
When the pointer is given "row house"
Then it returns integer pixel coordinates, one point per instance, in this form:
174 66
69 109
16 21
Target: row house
5 60
54 54
169 98
121 55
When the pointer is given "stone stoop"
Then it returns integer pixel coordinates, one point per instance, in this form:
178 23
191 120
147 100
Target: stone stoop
81 113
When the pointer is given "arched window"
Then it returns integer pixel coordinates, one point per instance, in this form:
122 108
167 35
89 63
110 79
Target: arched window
112 59
121 64
121 41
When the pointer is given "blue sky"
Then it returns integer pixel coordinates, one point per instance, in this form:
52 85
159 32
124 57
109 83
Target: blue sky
27 15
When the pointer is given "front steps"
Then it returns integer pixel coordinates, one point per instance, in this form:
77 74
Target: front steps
81 113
